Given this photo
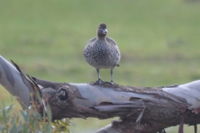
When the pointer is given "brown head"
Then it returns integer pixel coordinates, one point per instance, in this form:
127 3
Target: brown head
102 31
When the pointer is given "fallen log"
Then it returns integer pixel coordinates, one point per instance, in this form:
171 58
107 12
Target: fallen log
140 109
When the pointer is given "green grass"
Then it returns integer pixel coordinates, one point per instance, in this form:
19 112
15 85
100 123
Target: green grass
159 40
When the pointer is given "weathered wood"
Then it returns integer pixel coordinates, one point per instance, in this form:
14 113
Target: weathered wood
14 82
141 110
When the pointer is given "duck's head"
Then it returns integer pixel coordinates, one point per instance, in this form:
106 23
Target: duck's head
102 31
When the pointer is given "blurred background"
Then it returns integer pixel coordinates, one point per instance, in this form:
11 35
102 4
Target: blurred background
159 42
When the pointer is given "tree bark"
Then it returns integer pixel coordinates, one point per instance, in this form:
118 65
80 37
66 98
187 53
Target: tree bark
140 109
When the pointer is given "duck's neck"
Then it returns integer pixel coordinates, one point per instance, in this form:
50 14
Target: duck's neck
101 37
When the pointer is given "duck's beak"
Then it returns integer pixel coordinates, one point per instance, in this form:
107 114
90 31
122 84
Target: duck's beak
105 31
102 31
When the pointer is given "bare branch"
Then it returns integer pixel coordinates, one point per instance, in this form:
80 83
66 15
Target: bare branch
14 82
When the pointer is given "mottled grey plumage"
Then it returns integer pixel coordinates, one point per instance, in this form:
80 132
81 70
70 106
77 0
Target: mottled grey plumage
102 52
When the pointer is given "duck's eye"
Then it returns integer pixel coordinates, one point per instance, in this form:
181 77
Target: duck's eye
62 94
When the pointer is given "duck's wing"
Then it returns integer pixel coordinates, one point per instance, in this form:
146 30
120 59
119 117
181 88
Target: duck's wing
115 46
88 46
91 41
111 41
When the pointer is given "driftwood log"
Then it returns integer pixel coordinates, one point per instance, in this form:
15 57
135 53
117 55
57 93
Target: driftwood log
140 110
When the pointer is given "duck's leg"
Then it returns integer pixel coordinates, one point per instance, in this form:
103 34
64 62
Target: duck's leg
111 75
180 130
195 128
98 72
99 81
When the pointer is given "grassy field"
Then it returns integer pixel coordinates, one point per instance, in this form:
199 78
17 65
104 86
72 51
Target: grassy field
159 41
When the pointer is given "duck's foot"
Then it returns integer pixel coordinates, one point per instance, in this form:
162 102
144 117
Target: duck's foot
99 82
112 82
162 131
107 84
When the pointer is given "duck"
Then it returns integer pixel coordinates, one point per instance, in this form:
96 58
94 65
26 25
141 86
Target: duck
102 52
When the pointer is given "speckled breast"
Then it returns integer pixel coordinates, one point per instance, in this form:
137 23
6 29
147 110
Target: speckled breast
101 55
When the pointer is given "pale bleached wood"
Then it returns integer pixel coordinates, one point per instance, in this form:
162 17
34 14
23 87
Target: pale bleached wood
12 80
